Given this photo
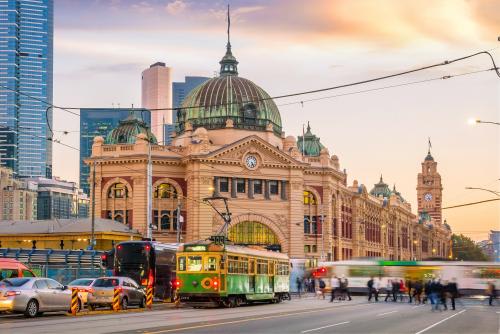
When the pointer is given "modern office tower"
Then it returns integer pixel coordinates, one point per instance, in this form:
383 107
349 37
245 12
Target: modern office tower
179 91
26 47
157 94
99 122
58 199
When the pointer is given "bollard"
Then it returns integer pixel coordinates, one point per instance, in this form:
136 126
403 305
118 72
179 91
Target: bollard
116 299
74 301
149 297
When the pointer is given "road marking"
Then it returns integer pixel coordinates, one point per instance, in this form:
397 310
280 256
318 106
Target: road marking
378 315
247 320
317 329
439 322
417 306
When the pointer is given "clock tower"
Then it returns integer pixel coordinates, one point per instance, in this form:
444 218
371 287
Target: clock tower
430 189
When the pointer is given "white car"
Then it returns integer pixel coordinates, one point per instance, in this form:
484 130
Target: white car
34 295
84 287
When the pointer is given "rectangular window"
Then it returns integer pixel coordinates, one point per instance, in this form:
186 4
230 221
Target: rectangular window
181 265
307 225
194 263
224 184
257 186
307 249
240 185
273 187
211 264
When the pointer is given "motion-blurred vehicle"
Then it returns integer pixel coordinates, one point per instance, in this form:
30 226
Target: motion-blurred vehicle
471 277
84 287
33 296
11 268
102 291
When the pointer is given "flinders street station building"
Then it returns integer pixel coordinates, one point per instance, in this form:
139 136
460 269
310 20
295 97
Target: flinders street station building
285 193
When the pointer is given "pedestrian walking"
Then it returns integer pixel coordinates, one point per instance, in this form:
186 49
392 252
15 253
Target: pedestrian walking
409 286
491 292
322 286
395 290
427 291
298 281
402 290
442 294
417 291
452 290
376 288
388 289
369 284
334 283
344 285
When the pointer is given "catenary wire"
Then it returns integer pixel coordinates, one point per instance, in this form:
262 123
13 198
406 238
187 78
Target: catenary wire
445 63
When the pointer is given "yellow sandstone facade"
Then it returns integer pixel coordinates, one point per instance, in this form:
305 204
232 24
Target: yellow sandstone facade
284 193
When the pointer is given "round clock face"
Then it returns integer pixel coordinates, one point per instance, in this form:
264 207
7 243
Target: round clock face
428 197
251 161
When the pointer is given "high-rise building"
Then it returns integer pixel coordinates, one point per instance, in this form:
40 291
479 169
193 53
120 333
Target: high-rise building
26 47
157 94
429 190
99 122
58 199
179 91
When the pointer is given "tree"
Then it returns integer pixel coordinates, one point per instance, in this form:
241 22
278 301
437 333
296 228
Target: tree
465 249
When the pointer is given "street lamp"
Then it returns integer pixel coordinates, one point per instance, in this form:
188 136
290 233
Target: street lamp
488 190
473 121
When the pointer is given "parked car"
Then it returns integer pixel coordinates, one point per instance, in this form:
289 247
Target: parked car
84 287
103 290
33 296
11 268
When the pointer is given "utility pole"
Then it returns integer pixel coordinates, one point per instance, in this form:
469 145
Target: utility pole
92 233
149 190
180 221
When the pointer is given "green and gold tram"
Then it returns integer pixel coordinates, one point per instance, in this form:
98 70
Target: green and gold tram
228 275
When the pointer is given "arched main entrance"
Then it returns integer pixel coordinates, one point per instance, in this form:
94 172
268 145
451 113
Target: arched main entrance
253 233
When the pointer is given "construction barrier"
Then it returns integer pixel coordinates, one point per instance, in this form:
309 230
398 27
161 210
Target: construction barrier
74 301
116 299
149 297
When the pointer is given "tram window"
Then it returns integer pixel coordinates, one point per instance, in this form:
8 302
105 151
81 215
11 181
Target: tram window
252 266
182 263
211 264
194 263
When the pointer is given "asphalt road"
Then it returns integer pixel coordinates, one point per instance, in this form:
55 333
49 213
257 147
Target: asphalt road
297 316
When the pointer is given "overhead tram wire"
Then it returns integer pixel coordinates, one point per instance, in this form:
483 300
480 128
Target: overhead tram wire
445 63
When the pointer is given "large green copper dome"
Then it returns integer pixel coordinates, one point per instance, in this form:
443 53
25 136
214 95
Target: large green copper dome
127 131
229 97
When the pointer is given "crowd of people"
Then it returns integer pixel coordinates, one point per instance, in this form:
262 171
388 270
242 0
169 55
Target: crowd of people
434 291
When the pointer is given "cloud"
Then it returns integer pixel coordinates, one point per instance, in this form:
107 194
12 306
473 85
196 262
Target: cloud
143 7
176 7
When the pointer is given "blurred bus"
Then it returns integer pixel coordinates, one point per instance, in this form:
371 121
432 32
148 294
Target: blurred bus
148 263
471 277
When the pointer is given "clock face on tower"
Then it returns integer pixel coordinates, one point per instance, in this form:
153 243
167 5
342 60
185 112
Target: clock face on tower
251 161
428 197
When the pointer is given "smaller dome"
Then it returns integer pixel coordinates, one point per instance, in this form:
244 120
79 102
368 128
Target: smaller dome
429 156
381 189
309 144
127 131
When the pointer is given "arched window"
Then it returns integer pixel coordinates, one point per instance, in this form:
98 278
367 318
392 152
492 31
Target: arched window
309 198
118 190
252 233
165 190
249 113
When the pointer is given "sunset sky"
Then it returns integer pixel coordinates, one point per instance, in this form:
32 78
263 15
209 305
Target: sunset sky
101 47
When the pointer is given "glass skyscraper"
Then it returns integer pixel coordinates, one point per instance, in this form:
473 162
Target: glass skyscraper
99 122
26 48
